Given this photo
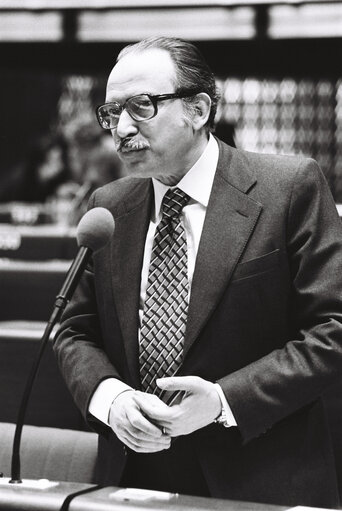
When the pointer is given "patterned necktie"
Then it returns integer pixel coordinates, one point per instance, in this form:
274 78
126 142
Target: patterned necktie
166 304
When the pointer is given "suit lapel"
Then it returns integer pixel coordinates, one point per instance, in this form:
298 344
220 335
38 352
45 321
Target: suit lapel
230 220
127 257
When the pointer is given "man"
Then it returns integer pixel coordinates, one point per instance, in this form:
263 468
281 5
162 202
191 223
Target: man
200 340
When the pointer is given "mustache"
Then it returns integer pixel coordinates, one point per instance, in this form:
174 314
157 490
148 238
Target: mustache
132 143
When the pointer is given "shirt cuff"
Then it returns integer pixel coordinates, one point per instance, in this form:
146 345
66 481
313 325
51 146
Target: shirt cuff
229 414
103 397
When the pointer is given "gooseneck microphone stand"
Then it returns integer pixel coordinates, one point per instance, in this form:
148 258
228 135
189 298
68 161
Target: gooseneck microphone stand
62 299
94 231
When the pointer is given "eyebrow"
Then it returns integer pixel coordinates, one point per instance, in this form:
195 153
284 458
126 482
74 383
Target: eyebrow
133 95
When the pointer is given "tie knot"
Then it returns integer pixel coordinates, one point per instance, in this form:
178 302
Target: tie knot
173 202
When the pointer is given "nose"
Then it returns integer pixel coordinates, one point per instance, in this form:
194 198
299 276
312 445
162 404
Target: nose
126 126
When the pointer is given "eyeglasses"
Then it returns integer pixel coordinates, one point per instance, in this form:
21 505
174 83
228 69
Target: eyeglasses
141 107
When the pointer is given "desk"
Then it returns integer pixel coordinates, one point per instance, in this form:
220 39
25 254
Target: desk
28 289
12 499
37 243
27 213
50 403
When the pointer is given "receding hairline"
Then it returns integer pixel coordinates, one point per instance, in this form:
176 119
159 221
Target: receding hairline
134 51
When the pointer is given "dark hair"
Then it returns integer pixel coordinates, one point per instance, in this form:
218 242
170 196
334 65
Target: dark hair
192 71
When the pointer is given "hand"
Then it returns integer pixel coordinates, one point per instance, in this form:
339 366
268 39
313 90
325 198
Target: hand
132 425
200 406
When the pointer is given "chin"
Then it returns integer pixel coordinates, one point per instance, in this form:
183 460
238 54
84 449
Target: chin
168 180
138 171
147 171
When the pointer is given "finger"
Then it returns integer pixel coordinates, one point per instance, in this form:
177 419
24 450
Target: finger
139 442
151 400
125 431
185 383
141 425
150 443
153 408
133 419
158 416
144 445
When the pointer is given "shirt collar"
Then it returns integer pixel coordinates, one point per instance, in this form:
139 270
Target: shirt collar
197 182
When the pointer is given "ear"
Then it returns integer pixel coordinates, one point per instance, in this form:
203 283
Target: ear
201 109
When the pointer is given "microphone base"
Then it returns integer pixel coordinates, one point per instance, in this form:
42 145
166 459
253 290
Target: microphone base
36 484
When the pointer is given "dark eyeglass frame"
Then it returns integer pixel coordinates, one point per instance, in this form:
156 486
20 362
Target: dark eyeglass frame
154 100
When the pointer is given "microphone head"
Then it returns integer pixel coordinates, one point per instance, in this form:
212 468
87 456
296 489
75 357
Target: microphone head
95 229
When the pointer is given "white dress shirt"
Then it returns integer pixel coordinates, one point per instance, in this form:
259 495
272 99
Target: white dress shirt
197 183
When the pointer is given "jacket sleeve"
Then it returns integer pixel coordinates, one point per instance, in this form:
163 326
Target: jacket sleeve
285 380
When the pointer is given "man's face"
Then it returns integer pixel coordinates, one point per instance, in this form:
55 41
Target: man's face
166 146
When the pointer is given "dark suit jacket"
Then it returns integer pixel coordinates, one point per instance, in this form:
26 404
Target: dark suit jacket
264 321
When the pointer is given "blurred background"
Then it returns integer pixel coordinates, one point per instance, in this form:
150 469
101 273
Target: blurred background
278 66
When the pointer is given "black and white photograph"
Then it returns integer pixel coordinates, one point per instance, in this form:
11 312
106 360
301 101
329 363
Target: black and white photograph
170 255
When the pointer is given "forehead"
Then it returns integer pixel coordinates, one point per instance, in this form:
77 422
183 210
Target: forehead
151 71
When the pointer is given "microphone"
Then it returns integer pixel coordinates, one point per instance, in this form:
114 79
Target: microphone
94 231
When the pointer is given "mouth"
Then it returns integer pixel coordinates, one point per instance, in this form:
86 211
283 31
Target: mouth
130 146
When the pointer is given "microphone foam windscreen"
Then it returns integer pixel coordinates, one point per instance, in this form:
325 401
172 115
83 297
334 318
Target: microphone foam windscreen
95 229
